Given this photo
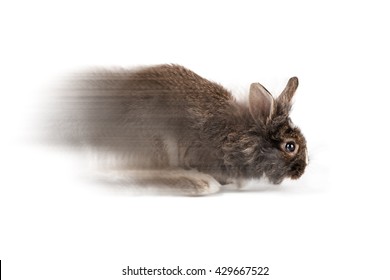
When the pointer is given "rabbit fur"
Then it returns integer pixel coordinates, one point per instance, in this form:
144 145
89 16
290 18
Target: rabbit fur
172 127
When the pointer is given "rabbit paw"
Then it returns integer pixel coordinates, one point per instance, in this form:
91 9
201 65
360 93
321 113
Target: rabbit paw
199 184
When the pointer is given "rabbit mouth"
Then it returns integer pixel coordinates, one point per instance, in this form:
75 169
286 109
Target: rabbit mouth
297 171
296 176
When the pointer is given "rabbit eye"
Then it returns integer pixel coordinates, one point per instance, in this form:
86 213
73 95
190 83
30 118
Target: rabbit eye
290 147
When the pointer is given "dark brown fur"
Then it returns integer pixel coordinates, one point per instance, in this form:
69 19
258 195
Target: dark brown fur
167 117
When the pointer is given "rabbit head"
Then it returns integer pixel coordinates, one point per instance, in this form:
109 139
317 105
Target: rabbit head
273 146
283 147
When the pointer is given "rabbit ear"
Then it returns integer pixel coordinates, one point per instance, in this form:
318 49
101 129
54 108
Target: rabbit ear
288 93
261 103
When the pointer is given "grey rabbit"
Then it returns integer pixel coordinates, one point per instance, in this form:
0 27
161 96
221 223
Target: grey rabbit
174 128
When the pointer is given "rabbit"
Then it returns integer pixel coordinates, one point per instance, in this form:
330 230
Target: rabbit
169 126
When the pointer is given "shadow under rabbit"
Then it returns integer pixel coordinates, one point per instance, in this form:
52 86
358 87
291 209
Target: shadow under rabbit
123 183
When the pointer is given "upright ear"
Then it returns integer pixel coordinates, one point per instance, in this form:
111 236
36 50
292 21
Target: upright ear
261 103
288 93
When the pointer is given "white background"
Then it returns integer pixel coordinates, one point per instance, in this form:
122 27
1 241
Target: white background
331 224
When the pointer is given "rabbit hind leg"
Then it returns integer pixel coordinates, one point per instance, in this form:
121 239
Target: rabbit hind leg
176 181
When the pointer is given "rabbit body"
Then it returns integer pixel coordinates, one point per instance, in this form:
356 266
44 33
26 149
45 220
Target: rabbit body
184 130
